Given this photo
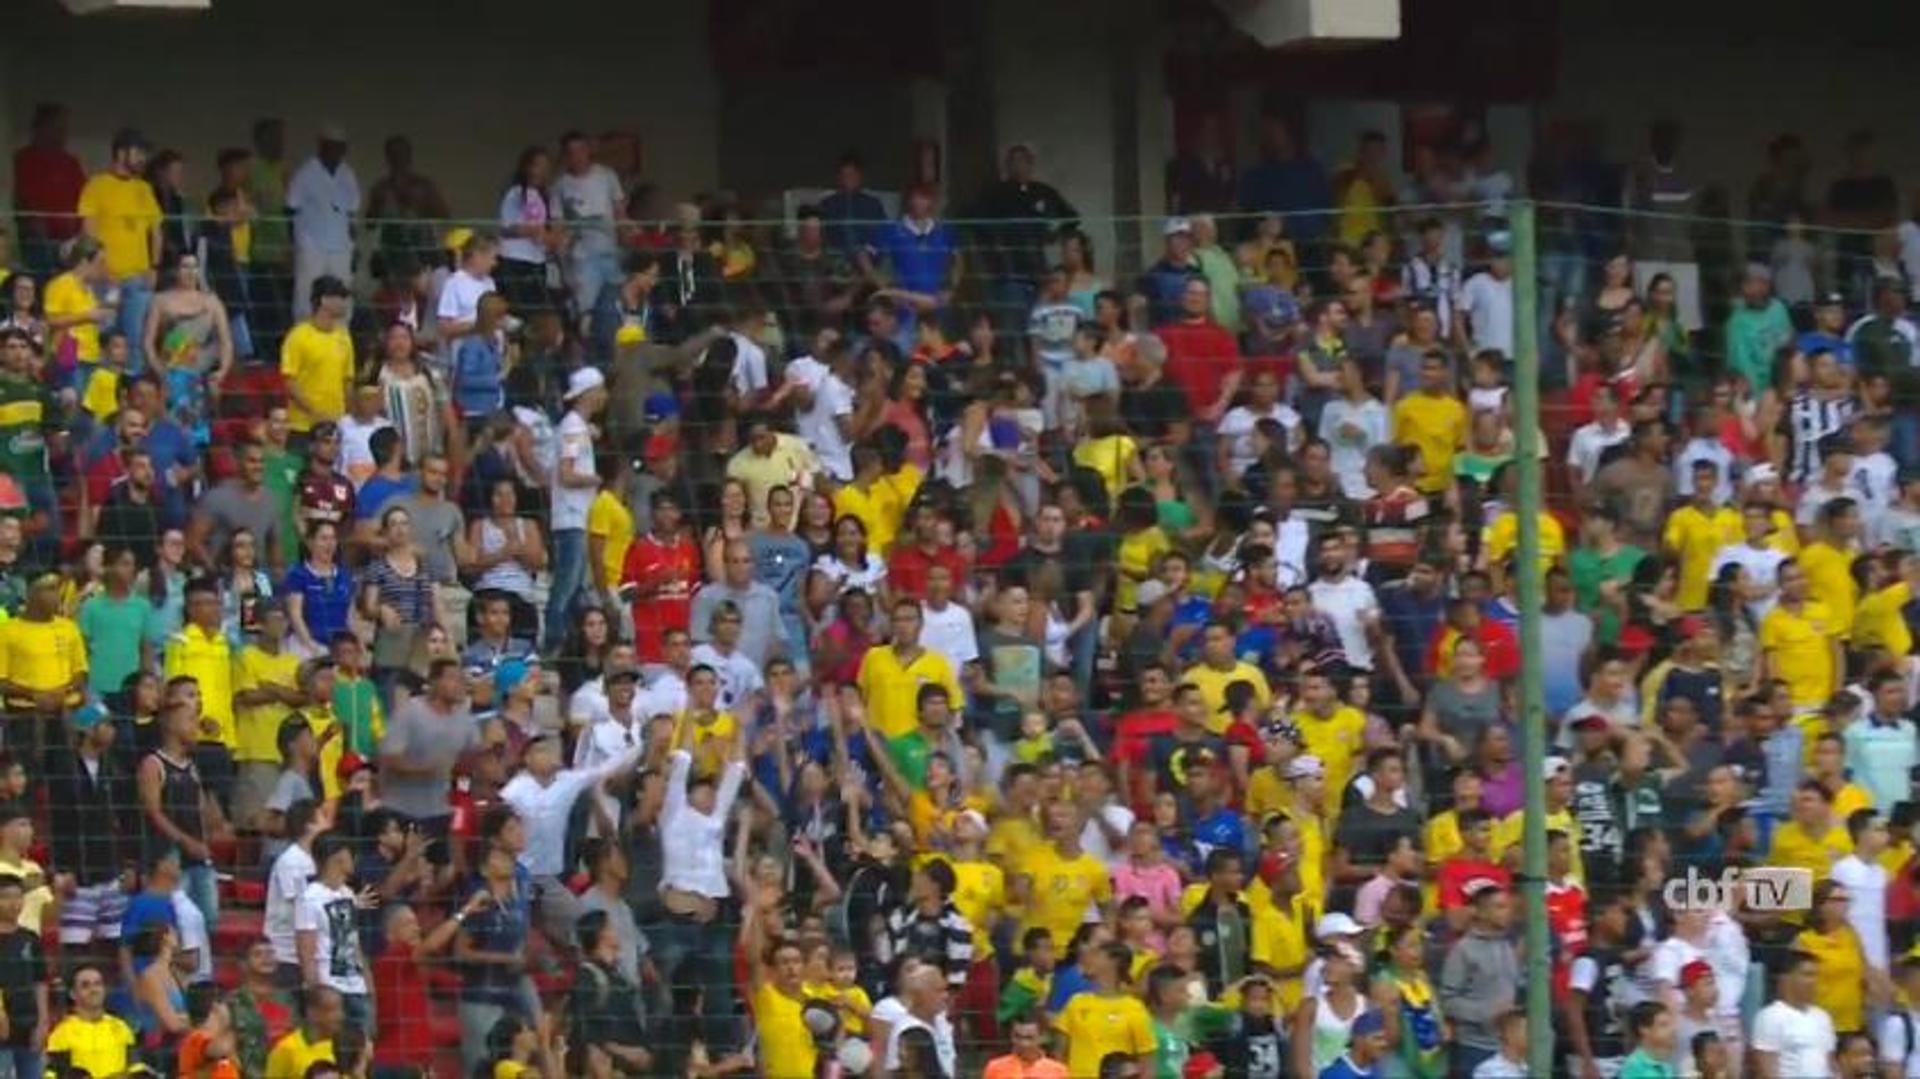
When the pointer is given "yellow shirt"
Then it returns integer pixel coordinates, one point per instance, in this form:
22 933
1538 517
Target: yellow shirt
257 729
791 462
1695 537
122 213
97 1047
1313 852
1061 891
1850 797
207 658
1841 988
1800 649
318 364
1507 834
1794 846
979 894
1501 538
1097 1025
66 297
1878 623
896 494
33 906
609 518
1135 562
1012 839
1441 841
1784 538
292 1055
1337 740
892 689
1212 684
42 656
1830 582
1280 939
333 745
1109 457
1436 425
710 740
786 1048
873 508
1267 792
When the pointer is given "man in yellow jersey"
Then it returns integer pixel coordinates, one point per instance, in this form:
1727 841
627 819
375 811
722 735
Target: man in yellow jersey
119 209
891 674
1810 838
1433 421
1331 730
266 688
316 358
43 660
1695 534
200 651
1507 834
1219 668
786 1045
1828 563
1802 642
311 1043
1107 1020
1058 882
1306 809
867 500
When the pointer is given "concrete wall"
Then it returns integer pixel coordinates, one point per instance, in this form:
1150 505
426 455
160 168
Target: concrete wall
469 81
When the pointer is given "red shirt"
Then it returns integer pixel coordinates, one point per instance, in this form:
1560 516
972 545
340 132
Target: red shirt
406 1021
665 574
326 497
907 570
1567 921
1455 873
1200 356
102 475
1132 743
48 181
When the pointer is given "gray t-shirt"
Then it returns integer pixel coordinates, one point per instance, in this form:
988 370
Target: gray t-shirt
435 524
426 739
761 627
230 509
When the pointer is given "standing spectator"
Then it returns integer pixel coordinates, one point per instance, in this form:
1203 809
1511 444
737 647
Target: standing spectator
43 667
528 231
1486 302
402 994
1164 283
1019 215
180 813
326 930
89 1039
460 297
404 203
693 945
852 216
324 197
1662 237
543 796
424 743
922 255
316 359
1481 976
76 318
591 204
1757 329
47 181
575 482
1027 1058
120 211
311 1044
763 630
29 421
88 781
491 945
1286 181
1794 1036
23 982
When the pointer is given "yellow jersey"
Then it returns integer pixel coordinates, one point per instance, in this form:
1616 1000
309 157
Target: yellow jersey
122 214
293 1054
609 519
95 1046
1061 890
1135 563
1800 647
1501 538
1841 988
1507 835
892 688
67 296
1879 623
1695 537
1830 582
786 1047
317 364
1338 740
1436 425
44 656
1096 1026
257 729
1795 846
1213 682
1111 457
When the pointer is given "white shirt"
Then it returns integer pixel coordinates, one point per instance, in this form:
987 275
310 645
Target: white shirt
942 1031
606 739
1866 883
949 631
1894 1038
749 365
1705 449
323 204
544 809
819 424
1347 602
193 934
1093 840
739 676
666 695
1236 429
1763 569
285 883
1348 453
522 206
1802 1040
1591 440
589 199
1499 1067
570 504
1489 307
691 858
356 444
460 297
329 914
1876 477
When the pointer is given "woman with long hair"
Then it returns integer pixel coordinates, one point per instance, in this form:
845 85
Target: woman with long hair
816 523
1502 783
419 402
398 598
1458 711
527 231
188 338
508 550
848 566
583 656
1179 502
244 586
844 641
735 521
1323 1023
319 591
159 1001
907 409
1663 321
1616 285
1420 1051
165 583
1083 283
1739 630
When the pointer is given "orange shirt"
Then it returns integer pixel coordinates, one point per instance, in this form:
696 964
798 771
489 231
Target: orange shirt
1012 1067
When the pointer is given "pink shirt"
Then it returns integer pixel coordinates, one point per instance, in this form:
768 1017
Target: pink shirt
1158 884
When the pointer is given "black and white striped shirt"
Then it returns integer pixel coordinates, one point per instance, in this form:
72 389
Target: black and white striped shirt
944 939
1809 419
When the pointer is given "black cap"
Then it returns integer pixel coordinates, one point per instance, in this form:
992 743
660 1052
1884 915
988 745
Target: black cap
1831 299
129 138
623 674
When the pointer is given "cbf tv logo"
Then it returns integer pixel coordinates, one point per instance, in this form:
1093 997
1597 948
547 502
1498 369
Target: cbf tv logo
1762 888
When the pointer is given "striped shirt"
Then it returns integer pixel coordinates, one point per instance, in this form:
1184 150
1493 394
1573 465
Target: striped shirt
944 939
410 596
1810 419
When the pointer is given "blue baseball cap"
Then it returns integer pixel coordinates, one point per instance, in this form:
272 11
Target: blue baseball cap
661 406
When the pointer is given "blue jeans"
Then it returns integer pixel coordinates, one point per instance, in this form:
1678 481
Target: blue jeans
594 266
1906 439
797 650
204 889
135 297
569 547
696 959
21 1063
242 334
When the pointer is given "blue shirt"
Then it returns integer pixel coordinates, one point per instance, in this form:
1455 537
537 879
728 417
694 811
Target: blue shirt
1345 1068
1288 186
501 927
377 492
1224 829
146 909
851 220
1814 340
1412 620
920 259
479 376
326 600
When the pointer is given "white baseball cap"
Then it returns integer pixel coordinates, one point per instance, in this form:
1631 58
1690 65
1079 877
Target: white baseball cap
583 381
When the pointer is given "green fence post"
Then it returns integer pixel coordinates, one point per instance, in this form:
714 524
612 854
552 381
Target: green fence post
1533 721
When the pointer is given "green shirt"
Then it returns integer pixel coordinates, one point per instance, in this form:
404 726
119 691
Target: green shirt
26 415
1170 1051
1754 335
114 630
1589 569
1641 1064
282 479
356 704
1478 467
910 752
1223 283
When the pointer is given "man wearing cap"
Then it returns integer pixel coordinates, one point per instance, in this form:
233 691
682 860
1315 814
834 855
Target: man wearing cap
1366 1048
90 786
119 209
1884 340
576 480
1829 329
543 795
1486 302
1164 282
323 196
